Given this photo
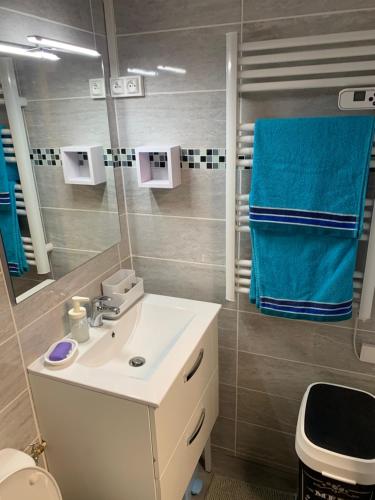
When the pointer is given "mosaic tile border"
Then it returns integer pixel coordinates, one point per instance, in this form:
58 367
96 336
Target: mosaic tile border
46 157
204 158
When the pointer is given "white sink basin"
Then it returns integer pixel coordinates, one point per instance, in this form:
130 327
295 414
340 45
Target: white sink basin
162 330
148 331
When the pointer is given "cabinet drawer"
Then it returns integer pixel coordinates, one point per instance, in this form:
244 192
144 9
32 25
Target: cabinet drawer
177 475
170 419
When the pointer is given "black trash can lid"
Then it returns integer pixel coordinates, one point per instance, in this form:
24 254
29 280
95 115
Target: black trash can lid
342 420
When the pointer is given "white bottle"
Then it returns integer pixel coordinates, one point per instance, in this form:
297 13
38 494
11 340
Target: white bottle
78 319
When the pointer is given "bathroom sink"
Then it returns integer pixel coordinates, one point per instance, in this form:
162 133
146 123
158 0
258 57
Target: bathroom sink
145 335
139 355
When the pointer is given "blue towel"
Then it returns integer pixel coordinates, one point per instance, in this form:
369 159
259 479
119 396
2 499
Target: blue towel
4 188
307 199
11 235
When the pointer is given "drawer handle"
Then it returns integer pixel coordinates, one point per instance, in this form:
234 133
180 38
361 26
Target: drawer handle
196 365
199 426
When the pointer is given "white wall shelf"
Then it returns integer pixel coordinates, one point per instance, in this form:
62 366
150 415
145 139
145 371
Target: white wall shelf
83 165
166 177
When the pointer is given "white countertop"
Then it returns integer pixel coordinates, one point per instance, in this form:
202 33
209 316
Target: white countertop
107 376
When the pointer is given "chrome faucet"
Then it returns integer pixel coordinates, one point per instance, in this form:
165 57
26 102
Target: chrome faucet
99 307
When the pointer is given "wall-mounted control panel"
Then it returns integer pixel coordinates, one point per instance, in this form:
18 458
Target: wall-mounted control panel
360 98
127 86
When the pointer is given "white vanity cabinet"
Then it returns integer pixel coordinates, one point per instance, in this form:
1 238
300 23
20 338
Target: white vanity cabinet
101 446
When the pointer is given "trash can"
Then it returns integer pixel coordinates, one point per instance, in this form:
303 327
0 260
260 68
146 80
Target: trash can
335 443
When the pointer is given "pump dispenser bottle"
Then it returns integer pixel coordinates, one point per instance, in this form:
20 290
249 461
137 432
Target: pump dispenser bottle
78 319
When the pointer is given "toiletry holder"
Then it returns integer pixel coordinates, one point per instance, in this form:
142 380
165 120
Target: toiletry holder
124 289
83 165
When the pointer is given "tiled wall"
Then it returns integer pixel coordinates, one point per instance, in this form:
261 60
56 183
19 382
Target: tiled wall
26 330
80 221
177 236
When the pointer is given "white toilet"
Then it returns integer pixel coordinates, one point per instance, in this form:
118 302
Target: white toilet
21 479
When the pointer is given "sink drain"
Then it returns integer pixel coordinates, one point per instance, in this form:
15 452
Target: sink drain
137 361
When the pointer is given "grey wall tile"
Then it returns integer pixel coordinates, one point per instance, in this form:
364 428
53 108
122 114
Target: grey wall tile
270 411
6 326
224 463
71 12
12 377
65 78
98 16
16 27
112 122
309 342
124 246
64 123
263 9
244 303
191 281
81 230
223 433
64 261
94 288
126 263
53 192
17 426
37 337
119 199
266 445
178 238
193 119
148 15
201 194
227 401
309 25
286 104
290 379
245 246
228 328
227 365
244 178
200 52
32 308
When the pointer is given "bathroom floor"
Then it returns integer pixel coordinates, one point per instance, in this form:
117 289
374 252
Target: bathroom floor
237 479
225 488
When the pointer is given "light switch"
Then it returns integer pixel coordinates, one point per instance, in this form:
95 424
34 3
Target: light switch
97 88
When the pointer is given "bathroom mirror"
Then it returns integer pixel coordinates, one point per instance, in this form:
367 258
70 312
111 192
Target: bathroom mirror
51 220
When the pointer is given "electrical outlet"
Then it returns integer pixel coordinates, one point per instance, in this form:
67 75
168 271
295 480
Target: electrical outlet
97 88
134 85
127 86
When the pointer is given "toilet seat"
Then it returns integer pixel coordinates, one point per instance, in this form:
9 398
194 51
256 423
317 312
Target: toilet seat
20 478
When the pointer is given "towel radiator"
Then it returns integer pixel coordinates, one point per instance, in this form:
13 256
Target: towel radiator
303 63
16 151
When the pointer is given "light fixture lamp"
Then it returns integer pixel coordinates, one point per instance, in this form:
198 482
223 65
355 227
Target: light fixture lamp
26 51
48 43
172 69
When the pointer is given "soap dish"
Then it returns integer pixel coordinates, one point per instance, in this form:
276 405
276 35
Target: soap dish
61 352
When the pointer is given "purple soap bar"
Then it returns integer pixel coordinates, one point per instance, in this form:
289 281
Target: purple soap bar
61 351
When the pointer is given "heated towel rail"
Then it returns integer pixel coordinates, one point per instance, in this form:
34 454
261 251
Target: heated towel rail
310 62
16 150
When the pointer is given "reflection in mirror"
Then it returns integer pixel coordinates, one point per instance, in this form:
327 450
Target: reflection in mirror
53 220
